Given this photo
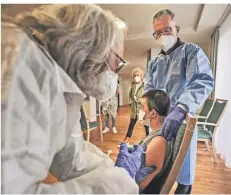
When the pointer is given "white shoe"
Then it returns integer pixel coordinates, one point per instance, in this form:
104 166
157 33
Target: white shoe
114 130
105 130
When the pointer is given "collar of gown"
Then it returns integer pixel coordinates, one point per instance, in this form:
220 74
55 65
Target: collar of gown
65 83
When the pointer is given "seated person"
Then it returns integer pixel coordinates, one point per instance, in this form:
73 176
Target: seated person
157 150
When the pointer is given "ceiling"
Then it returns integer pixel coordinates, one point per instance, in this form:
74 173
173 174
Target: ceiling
196 21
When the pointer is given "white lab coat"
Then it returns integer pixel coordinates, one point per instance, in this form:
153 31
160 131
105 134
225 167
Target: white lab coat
41 130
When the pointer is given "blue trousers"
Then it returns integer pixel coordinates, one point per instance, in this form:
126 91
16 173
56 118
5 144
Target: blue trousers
112 119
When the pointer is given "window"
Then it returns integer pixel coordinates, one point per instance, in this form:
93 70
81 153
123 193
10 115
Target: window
223 90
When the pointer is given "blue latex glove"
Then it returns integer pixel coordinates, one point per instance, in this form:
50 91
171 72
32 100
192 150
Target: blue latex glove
143 172
129 161
172 123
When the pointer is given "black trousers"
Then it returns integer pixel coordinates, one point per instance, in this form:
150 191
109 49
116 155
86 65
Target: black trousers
132 125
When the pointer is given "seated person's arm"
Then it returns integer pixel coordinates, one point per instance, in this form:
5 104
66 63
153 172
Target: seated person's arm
155 154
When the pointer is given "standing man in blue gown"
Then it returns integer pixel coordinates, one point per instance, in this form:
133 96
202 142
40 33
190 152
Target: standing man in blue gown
183 71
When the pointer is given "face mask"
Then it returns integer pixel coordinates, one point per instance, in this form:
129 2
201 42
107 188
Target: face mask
147 122
166 42
137 79
143 119
107 85
141 115
148 118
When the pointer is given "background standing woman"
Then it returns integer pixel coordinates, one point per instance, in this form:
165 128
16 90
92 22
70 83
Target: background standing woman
136 92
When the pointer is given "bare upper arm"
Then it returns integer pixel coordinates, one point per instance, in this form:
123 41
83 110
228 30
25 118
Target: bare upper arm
155 152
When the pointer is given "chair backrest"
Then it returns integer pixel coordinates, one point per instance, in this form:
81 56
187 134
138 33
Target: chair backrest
83 119
181 146
207 107
216 113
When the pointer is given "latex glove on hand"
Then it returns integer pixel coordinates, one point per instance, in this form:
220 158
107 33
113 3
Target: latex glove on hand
143 172
172 123
130 161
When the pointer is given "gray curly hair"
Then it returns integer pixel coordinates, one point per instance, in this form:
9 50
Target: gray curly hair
78 37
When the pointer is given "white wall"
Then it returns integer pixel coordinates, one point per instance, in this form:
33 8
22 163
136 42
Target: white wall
90 108
125 84
86 106
206 48
154 52
121 90
223 90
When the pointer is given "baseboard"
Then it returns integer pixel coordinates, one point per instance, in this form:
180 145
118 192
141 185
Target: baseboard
124 105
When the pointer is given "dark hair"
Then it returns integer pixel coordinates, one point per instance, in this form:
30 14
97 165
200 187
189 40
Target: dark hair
163 12
158 100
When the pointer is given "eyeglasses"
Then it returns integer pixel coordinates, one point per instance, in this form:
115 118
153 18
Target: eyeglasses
122 62
166 31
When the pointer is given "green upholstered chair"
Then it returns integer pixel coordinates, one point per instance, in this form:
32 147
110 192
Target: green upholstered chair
207 108
207 129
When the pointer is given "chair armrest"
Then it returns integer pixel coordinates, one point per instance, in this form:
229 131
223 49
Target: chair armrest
92 116
209 124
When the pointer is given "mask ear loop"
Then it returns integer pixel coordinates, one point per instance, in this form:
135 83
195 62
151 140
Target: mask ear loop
152 114
108 66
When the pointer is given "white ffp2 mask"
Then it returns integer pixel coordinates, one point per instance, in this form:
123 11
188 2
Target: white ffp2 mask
137 79
141 115
107 85
142 119
166 42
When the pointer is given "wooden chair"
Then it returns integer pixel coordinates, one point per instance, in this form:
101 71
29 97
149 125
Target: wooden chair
88 125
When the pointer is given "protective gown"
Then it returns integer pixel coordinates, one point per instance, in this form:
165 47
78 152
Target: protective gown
40 127
184 73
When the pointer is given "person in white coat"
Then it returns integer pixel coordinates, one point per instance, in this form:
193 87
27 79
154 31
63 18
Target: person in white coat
51 58
109 109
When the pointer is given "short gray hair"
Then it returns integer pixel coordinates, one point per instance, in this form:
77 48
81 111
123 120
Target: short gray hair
163 12
79 37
